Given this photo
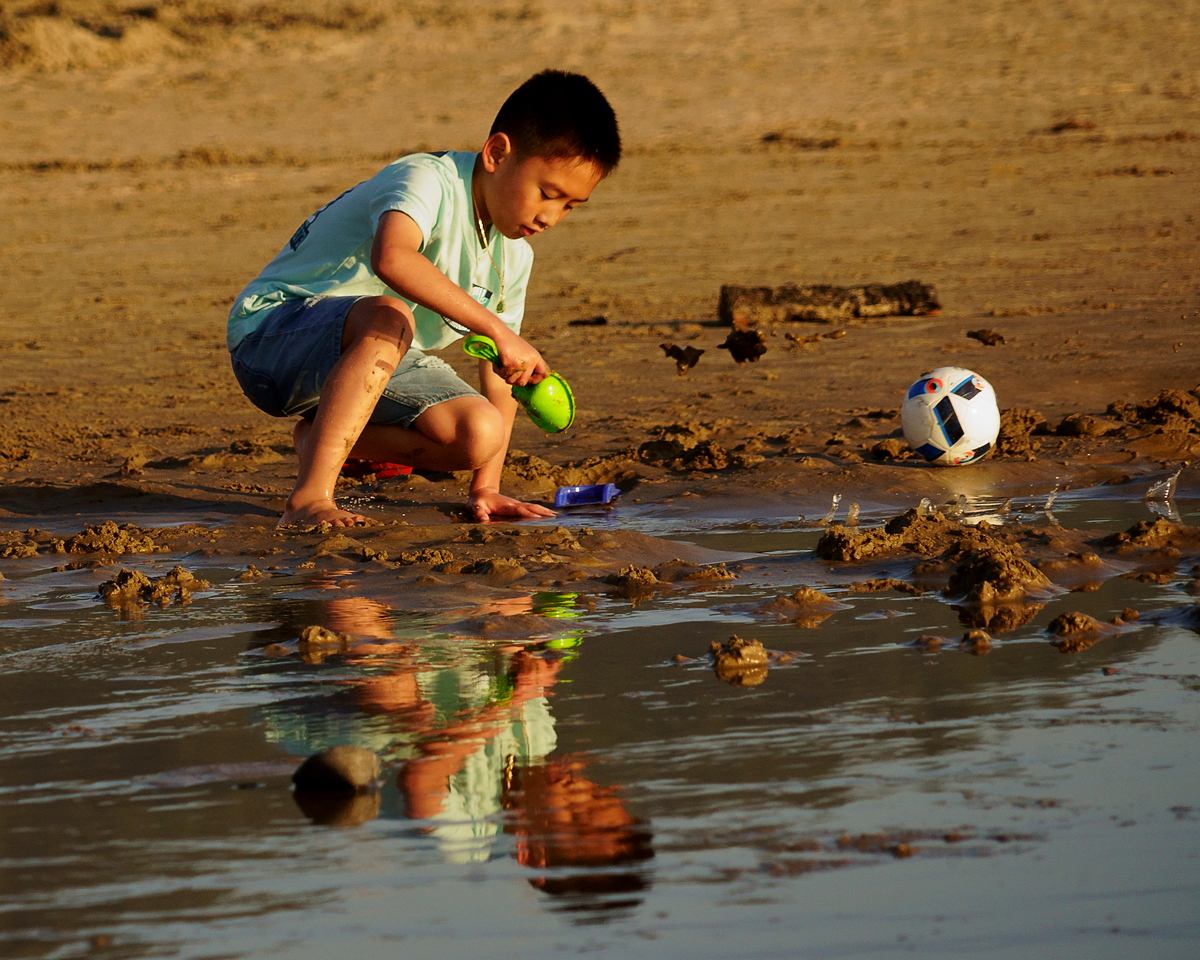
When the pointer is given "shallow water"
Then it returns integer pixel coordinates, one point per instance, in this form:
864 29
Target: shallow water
588 793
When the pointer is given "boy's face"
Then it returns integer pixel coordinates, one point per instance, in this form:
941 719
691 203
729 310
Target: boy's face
526 195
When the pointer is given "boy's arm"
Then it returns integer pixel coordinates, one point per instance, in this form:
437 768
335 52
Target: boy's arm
397 261
485 498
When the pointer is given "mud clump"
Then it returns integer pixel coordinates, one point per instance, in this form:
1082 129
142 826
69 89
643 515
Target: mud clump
133 588
739 662
892 449
634 582
680 571
1018 425
1075 632
317 643
1160 535
975 642
1083 425
1172 409
995 573
109 538
498 569
20 550
688 448
930 642
908 533
880 584
339 543
430 556
806 608
530 467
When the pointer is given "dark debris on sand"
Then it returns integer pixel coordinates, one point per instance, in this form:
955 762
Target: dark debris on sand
745 346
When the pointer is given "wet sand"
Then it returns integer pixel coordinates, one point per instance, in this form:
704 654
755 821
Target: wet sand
1029 165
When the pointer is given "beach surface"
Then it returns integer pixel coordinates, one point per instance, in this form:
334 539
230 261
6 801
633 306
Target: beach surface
672 725
1028 163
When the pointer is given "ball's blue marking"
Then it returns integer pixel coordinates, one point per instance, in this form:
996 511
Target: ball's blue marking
929 451
947 419
917 389
967 389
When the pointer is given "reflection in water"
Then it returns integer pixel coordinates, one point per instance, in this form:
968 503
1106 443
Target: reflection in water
469 732
338 809
562 819
998 617
146 804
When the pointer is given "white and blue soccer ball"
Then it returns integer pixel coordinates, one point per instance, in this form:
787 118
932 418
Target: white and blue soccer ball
950 417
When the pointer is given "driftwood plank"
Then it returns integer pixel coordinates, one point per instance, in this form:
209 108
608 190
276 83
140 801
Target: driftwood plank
824 303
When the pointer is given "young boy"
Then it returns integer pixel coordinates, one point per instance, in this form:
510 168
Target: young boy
337 328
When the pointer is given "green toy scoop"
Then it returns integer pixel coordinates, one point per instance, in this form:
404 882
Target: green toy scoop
550 403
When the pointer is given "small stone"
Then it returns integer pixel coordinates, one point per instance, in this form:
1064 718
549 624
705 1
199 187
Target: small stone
740 662
317 636
342 768
976 641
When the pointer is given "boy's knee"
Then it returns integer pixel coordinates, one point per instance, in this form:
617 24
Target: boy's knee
482 435
380 318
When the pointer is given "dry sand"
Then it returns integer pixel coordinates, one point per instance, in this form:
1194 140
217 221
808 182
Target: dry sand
1030 161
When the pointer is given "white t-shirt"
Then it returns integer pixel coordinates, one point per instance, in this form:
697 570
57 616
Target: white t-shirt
330 254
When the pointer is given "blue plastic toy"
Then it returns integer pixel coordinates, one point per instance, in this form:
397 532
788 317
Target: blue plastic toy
590 494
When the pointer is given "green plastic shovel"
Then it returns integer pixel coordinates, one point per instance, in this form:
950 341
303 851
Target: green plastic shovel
550 403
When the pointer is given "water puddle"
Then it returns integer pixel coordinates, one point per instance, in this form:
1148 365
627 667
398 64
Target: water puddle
581 780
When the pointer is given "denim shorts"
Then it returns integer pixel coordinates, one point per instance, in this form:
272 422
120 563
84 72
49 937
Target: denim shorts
283 363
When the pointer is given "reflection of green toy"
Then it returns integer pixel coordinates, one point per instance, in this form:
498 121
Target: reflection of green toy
557 606
550 403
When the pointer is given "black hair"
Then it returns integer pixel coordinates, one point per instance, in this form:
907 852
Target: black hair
555 114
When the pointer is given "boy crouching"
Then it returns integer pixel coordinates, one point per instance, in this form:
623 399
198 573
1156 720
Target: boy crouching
338 328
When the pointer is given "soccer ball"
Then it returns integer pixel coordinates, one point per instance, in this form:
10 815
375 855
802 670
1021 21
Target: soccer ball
950 417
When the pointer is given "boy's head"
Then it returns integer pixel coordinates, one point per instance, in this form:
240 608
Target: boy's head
559 116
553 140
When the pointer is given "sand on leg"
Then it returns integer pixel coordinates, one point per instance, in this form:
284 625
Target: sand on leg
377 333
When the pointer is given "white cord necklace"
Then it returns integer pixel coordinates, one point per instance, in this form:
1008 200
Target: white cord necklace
499 269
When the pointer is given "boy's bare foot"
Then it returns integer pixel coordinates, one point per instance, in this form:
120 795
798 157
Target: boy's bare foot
319 511
311 510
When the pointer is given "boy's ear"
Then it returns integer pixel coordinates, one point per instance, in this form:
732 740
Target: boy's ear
495 151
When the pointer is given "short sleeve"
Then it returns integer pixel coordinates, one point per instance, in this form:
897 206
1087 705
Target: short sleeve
415 187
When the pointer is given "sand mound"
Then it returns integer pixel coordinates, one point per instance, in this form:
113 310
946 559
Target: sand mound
909 533
93 34
995 574
59 43
1173 409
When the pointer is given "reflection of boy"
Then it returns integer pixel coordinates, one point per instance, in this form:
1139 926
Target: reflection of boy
563 819
336 327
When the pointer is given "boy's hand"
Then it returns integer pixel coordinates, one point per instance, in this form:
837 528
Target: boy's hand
519 362
490 504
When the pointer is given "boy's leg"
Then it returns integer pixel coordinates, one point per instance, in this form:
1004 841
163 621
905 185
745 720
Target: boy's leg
461 433
376 335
